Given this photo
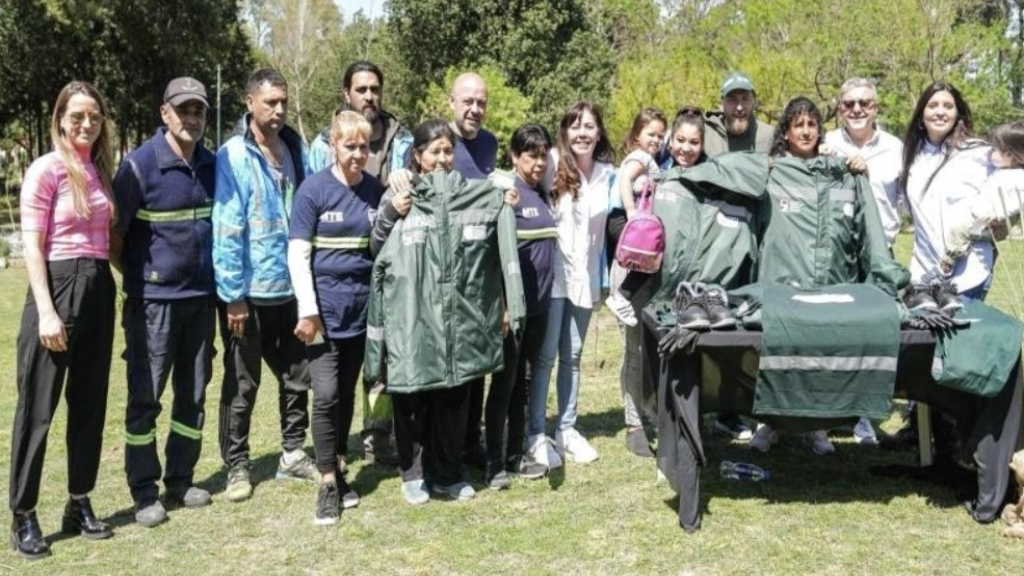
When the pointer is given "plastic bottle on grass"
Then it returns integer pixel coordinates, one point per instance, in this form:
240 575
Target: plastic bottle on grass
743 471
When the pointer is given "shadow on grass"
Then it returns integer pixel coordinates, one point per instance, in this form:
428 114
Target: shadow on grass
799 476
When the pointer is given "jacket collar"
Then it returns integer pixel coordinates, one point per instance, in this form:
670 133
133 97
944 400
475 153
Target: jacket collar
167 158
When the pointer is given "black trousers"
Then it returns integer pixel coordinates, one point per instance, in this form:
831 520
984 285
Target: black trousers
268 336
475 413
334 367
505 414
165 337
430 427
82 290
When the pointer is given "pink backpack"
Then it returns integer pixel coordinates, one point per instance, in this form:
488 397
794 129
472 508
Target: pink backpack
642 242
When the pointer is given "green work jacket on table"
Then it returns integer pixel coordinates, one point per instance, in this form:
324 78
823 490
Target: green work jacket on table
710 214
440 286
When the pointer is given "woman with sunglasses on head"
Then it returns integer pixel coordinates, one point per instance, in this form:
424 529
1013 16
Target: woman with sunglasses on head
67 326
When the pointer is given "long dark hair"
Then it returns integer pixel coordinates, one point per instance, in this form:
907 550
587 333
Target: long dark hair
796 108
640 121
917 134
427 132
567 176
1008 139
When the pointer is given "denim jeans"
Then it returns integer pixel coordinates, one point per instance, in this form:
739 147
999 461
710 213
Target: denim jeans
565 335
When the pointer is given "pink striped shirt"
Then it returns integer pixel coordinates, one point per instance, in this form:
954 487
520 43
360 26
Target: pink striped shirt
47 207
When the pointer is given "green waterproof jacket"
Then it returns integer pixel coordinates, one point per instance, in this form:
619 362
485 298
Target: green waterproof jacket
820 226
710 214
440 286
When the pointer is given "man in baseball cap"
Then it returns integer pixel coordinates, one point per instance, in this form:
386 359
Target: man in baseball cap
163 244
735 128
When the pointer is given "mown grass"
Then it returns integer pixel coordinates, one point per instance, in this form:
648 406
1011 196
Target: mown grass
818 516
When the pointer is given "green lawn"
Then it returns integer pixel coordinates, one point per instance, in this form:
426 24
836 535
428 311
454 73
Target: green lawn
818 516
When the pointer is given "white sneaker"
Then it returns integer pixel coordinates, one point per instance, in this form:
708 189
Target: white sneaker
820 444
575 446
538 450
864 433
763 438
621 308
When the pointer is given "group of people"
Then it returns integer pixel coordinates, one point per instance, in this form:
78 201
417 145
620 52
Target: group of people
283 248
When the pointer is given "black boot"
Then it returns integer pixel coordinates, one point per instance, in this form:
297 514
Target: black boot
79 519
27 537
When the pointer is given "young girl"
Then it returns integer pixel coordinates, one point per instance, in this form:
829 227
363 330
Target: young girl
999 201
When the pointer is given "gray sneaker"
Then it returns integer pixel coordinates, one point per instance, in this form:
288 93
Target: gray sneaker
191 497
238 486
458 491
299 468
150 513
415 492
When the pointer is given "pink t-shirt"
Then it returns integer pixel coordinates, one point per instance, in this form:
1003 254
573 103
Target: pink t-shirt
47 207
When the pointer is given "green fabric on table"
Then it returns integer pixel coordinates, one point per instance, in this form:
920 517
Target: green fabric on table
978 359
828 352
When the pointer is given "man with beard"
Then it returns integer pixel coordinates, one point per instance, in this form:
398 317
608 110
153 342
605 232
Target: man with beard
362 87
390 148
735 128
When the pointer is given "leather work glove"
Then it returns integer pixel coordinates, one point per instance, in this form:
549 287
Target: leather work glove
930 319
678 340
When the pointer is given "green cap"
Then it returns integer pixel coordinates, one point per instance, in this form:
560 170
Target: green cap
736 81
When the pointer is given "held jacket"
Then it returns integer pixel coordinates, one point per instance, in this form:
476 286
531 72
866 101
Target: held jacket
436 295
396 152
250 218
820 226
710 213
164 213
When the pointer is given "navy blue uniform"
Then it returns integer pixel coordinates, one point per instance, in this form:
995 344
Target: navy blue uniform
475 159
337 220
164 209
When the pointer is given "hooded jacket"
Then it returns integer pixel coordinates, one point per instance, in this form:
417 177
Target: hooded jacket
250 218
717 140
440 286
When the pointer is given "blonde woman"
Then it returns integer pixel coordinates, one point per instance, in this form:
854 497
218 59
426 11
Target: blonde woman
67 326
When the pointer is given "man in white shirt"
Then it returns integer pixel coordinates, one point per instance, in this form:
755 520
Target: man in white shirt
883 153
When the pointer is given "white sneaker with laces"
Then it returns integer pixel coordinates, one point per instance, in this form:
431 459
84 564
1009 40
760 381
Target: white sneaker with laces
621 308
575 446
763 438
820 444
538 450
864 433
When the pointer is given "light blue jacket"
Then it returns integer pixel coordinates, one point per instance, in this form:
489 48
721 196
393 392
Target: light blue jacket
250 218
397 148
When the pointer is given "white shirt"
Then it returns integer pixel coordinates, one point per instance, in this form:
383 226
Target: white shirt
883 154
951 192
581 236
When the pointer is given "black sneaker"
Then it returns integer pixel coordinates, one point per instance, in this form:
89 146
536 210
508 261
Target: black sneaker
498 480
919 296
946 297
689 307
349 497
526 467
327 510
716 304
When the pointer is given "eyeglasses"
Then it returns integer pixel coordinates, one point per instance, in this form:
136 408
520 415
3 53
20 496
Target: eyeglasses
689 111
79 118
851 104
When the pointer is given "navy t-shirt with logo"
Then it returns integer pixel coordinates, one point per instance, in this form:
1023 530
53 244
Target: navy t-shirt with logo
537 234
337 220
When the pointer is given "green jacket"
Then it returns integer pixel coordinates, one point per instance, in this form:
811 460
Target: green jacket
440 286
820 226
710 214
758 138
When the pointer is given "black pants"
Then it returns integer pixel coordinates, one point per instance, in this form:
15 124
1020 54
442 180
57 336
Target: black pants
268 336
429 429
82 291
334 367
161 337
508 394
474 414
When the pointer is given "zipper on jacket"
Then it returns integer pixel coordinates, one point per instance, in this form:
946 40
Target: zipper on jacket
445 279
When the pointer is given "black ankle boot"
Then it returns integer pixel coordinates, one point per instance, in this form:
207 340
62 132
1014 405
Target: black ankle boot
79 519
27 537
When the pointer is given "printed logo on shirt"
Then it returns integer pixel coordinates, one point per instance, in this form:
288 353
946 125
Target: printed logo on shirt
332 217
154 277
474 233
788 206
420 221
410 237
531 212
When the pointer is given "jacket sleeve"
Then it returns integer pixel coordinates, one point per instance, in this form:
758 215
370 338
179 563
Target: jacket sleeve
877 265
385 222
127 193
401 150
230 229
376 356
515 299
319 154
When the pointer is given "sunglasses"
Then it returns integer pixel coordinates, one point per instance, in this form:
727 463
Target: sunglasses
689 111
851 104
78 118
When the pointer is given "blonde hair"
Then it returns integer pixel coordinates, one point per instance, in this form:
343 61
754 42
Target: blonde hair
348 123
101 153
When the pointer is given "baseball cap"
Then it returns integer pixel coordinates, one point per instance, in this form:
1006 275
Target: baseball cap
736 81
181 90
